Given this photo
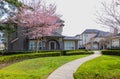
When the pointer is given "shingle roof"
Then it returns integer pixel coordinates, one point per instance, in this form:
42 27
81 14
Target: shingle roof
98 33
91 31
70 38
56 34
116 36
102 34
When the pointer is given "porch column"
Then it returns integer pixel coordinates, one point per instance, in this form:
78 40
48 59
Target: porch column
61 43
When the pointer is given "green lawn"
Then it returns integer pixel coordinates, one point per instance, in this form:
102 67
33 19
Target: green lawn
38 68
104 67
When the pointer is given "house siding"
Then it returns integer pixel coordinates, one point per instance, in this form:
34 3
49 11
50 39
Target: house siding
70 45
116 43
20 43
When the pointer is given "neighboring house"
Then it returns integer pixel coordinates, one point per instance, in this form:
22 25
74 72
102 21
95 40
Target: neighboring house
94 39
2 41
6 10
86 36
115 41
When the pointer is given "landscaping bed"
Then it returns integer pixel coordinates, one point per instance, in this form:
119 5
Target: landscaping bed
104 67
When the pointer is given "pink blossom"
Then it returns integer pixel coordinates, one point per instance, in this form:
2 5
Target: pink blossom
37 19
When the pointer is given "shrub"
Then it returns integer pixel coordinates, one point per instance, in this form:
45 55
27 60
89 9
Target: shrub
113 48
13 58
78 52
24 52
18 56
63 52
17 52
111 52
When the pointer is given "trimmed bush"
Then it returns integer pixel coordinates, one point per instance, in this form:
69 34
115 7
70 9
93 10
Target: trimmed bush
113 48
18 56
111 52
13 58
63 52
12 53
78 52
25 52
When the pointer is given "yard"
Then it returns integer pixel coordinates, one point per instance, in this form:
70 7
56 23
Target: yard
104 67
38 68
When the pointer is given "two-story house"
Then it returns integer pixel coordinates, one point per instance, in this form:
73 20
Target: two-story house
2 41
56 41
115 41
94 39
17 42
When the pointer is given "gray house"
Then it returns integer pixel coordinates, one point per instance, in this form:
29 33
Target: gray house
18 42
54 42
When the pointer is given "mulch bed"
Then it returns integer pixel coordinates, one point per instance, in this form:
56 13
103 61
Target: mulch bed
4 65
7 64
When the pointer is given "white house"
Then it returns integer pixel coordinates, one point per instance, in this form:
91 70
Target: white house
115 41
93 39
2 40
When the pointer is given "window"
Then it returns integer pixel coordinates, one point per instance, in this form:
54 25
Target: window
115 42
3 36
69 45
3 40
32 45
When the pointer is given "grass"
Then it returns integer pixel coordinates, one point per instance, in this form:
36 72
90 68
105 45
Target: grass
38 68
104 67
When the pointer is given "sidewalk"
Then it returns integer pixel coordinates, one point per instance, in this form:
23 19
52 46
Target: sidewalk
66 71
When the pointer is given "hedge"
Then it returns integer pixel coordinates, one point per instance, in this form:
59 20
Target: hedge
17 52
63 52
78 52
18 56
13 58
113 48
111 52
24 52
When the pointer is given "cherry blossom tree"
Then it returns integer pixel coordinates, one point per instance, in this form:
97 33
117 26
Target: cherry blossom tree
38 19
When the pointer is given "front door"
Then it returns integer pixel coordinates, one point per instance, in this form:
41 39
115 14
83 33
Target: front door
52 45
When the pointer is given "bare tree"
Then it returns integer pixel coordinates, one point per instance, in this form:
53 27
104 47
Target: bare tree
110 14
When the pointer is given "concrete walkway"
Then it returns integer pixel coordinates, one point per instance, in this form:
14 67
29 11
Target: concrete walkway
66 71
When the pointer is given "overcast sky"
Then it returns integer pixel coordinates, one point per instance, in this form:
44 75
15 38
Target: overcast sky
78 15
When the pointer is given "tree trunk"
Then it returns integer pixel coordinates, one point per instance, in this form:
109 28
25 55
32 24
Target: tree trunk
37 46
7 40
